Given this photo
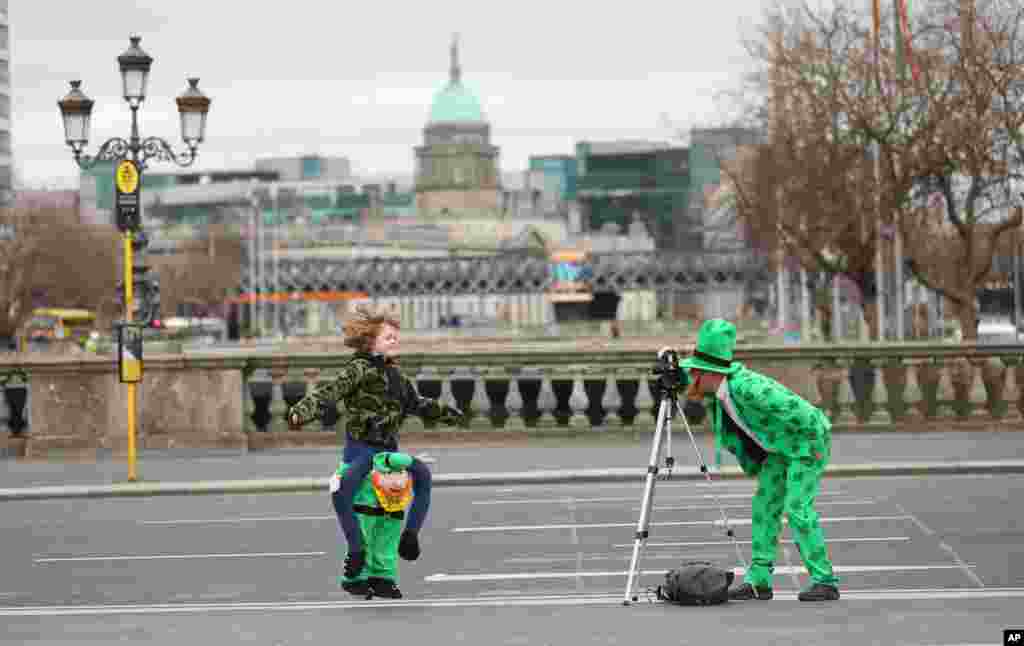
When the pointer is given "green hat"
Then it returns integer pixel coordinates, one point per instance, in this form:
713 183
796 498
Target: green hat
715 342
390 462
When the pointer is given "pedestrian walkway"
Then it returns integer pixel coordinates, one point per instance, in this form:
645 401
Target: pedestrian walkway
542 456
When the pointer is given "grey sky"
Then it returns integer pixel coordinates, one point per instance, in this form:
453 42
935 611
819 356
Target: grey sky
356 79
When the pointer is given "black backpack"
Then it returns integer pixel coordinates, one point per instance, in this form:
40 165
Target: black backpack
696 583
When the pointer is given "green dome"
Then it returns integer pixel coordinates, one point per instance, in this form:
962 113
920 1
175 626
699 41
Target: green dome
455 102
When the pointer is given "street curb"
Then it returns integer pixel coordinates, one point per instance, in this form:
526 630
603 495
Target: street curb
565 476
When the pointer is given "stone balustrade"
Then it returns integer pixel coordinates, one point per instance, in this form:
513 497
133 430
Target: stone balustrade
201 401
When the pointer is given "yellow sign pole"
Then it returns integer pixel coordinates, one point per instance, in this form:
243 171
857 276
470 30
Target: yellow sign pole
131 386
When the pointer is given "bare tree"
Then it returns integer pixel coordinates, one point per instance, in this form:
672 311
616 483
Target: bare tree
49 257
202 271
946 132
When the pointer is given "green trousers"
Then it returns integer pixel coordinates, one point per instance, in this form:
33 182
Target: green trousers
380 535
790 486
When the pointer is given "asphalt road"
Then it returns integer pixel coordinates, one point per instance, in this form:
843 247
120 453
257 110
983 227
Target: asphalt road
923 561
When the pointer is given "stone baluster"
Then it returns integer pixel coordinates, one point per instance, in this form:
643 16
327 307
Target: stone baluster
463 387
961 376
627 384
595 384
514 402
429 383
278 406
1012 414
562 385
496 386
928 374
862 382
894 373
828 379
993 376
261 390
481 403
530 384
16 398
610 401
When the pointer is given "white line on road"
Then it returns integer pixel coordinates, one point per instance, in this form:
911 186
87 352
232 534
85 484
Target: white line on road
783 569
161 557
968 571
872 539
578 559
732 522
250 519
564 501
603 599
747 506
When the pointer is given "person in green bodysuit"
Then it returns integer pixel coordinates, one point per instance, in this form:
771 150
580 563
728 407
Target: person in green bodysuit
780 438
379 506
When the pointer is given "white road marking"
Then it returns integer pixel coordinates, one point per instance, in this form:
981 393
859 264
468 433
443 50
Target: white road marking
183 557
578 559
576 544
968 571
872 539
747 506
688 523
565 501
784 569
250 519
602 599
788 556
639 484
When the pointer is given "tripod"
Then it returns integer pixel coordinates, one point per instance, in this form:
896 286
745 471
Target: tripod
668 408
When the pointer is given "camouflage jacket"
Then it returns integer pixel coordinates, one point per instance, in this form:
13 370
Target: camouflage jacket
376 400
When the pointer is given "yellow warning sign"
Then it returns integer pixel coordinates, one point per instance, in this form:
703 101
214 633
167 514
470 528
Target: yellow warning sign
127 177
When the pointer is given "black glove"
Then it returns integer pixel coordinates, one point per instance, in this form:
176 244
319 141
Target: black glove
694 411
409 545
354 563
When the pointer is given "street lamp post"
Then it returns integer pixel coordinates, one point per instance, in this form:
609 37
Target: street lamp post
131 157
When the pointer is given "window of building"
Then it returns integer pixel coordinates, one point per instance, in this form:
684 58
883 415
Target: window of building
311 167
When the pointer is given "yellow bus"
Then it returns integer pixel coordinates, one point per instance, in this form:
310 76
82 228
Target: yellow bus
57 324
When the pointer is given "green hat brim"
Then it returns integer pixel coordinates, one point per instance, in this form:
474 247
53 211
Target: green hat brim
696 363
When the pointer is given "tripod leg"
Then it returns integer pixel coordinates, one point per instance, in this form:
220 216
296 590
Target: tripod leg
642 528
670 461
707 476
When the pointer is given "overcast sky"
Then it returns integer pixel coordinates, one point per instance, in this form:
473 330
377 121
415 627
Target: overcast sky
356 79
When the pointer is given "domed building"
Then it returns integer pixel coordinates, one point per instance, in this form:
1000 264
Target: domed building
457 167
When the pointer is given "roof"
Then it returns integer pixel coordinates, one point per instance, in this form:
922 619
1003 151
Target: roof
455 103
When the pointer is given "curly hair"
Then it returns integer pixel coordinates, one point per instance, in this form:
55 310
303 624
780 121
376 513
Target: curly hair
363 328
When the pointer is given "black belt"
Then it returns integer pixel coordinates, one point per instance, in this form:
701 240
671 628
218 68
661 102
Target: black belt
378 511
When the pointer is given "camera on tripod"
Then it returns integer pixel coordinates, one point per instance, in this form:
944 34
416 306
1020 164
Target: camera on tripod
666 368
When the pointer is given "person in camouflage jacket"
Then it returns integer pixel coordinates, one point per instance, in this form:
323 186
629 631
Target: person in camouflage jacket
377 398
778 437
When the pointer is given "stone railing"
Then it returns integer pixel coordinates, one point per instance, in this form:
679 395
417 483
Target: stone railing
241 400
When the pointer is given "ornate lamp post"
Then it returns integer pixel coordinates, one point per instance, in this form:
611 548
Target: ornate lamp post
131 157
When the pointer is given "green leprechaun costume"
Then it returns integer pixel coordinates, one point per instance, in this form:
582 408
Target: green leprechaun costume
785 442
379 504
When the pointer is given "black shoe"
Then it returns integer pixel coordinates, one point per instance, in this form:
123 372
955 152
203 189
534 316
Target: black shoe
820 592
384 588
356 588
746 591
